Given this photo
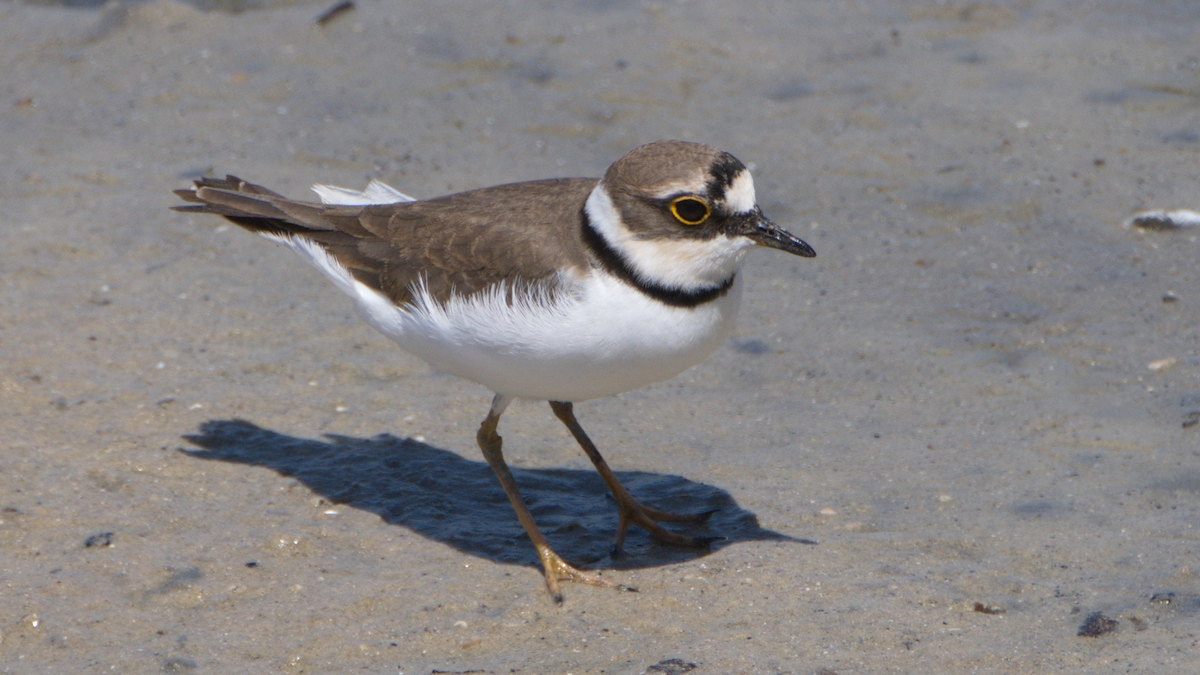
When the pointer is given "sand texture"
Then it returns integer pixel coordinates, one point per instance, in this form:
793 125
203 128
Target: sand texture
963 439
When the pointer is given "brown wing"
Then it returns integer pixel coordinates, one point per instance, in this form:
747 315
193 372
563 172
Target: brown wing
461 243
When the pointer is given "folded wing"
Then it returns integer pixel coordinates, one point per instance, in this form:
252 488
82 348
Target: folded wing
458 244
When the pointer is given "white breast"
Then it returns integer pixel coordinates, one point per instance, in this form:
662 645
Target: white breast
602 337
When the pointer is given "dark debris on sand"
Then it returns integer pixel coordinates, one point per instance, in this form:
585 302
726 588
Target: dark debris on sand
1096 624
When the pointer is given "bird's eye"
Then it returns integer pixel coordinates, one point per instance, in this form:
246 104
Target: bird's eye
689 210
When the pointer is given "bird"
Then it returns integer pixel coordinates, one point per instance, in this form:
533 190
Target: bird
560 290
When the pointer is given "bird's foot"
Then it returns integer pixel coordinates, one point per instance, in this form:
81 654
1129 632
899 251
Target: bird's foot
557 569
632 512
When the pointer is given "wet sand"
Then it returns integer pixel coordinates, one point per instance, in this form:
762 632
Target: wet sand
939 447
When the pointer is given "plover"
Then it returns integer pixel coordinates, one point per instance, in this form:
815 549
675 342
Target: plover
558 290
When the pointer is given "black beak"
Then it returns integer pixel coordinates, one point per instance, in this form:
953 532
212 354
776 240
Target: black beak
763 232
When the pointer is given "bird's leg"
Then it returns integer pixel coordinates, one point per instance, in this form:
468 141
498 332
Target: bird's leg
630 511
554 567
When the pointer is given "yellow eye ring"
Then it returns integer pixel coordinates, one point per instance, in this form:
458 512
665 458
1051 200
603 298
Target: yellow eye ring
690 210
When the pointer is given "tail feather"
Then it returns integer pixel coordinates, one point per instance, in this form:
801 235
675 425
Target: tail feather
254 207
334 228
235 184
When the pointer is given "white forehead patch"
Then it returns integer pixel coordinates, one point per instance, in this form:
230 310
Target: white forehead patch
739 198
676 188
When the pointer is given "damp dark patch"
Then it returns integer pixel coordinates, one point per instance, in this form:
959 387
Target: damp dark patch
238 6
1181 136
440 46
1106 96
1188 482
790 91
960 195
178 665
537 72
226 6
1036 509
752 347
1012 358
178 580
70 4
605 5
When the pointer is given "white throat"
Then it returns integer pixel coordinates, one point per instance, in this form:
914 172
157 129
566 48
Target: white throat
685 264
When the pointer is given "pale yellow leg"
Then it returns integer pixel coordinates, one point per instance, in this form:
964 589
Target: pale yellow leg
555 568
629 510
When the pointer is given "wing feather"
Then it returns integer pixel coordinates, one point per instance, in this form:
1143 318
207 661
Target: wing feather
459 244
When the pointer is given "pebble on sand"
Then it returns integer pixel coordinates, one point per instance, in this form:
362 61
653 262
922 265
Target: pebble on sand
1162 220
1161 364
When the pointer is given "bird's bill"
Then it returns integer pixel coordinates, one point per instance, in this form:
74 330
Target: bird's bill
765 233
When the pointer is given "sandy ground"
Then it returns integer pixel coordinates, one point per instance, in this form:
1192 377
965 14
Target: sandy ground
939 447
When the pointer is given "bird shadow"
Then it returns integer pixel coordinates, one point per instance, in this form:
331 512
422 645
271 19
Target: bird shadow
458 502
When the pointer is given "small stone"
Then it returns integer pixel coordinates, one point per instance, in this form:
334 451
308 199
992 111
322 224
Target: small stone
671 667
1160 220
1161 364
98 540
1162 598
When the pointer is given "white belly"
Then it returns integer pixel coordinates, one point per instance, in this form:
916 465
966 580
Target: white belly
608 339
603 339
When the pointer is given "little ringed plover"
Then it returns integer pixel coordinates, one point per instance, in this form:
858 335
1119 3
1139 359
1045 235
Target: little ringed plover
557 290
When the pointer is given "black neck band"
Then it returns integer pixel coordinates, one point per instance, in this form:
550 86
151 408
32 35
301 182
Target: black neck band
616 264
